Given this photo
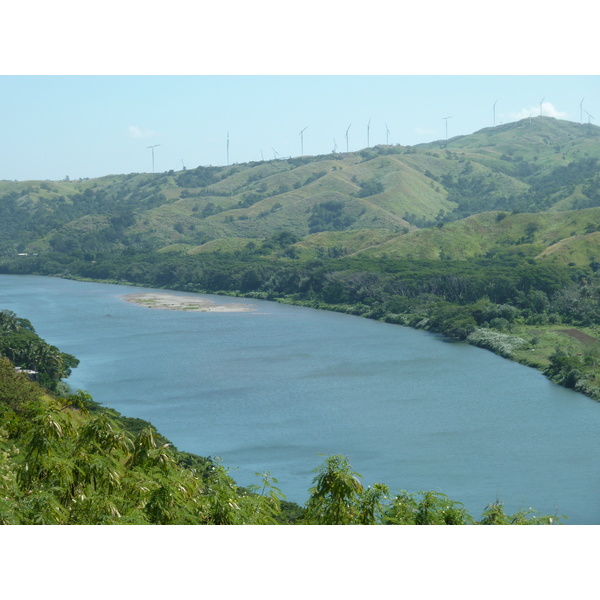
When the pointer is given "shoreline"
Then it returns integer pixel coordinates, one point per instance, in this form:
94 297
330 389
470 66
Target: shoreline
203 306
182 303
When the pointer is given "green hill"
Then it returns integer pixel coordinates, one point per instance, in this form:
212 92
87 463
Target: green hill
531 166
569 236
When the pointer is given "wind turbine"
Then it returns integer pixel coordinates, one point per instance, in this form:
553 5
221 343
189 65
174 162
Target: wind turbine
494 111
581 110
275 153
368 127
302 141
228 148
152 147
446 119
541 101
387 135
590 117
347 130
334 146
261 155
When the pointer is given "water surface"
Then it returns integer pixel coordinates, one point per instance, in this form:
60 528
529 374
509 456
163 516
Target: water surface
273 389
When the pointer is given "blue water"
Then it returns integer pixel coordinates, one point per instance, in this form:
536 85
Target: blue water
276 388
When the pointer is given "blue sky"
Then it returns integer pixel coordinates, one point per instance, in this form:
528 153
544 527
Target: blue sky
85 91
88 126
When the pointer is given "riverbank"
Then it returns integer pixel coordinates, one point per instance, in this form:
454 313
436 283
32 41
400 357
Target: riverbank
574 366
568 360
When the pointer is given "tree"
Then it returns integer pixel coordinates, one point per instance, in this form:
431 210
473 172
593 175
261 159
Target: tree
338 498
334 497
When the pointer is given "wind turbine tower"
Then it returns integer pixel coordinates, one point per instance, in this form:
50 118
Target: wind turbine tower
494 111
228 148
541 103
347 130
368 128
152 147
387 135
302 141
446 119
590 117
581 110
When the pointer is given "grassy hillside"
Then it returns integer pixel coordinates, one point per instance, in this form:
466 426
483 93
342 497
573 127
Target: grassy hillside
569 237
532 166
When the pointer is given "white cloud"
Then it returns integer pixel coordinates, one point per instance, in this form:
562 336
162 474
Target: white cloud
548 110
137 132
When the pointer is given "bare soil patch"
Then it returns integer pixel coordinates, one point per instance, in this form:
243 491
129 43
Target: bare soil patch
579 335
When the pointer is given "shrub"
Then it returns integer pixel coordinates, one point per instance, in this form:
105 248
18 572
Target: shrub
500 343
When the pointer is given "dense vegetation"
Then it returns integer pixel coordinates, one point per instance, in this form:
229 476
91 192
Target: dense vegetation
28 352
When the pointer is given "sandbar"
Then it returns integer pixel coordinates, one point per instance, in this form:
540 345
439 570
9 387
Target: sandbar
187 303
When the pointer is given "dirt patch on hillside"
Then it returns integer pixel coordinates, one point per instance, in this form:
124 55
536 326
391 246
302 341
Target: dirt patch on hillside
579 335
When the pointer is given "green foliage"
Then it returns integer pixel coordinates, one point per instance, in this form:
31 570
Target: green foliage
437 509
564 368
25 349
329 216
60 468
494 515
370 188
338 498
335 493
16 390
452 320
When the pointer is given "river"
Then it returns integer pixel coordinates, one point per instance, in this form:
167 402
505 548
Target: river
277 388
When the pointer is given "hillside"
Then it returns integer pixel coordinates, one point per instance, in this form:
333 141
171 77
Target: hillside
531 166
571 237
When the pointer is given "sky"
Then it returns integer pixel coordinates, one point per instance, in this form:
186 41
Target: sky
88 92
78 126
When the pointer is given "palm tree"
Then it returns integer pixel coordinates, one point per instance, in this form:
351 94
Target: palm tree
9 322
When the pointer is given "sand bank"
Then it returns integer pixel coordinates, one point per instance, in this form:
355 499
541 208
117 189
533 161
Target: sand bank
188 303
